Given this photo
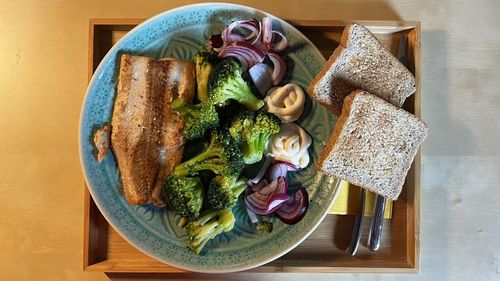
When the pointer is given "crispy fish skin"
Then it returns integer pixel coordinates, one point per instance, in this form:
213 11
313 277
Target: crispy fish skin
180 84
141 120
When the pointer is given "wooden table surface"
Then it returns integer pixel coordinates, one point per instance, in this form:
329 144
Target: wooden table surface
43 77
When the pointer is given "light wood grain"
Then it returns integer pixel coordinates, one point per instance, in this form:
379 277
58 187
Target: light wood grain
324 250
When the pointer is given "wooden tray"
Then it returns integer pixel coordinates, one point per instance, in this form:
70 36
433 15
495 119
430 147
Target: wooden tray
324 250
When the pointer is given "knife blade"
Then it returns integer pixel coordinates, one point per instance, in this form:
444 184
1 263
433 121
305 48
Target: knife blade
358 226
377 222
375 235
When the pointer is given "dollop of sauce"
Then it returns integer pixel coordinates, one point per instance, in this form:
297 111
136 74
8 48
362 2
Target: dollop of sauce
286 102
290 145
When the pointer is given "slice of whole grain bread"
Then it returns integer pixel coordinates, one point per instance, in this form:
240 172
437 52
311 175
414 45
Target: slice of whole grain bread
373 144
361 62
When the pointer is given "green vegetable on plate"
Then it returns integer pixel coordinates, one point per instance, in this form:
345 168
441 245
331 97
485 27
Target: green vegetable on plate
222 156
184 195
198 118
223 191
208 226
253 130
226 83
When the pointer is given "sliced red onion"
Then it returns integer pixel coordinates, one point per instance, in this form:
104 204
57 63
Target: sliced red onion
251 26
243 57
257 38
279 68
280 169
228 37
246 53
258 186
262 171
261 77
256 51
267 199
267 34
258 206
281 44
293 210
281 186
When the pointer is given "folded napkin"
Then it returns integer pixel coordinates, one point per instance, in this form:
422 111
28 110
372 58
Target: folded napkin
349 200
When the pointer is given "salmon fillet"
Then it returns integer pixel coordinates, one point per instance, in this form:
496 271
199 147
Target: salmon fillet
146 134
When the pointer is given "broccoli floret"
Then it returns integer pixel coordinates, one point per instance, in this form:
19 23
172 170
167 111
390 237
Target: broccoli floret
223 191
222 156
264 226
208 226
205 63
184 195
253 130
226 83
198 117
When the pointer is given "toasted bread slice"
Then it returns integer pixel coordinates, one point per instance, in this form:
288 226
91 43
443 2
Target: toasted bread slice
361 62
373 144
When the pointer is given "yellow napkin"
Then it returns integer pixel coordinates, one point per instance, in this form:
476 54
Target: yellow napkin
349 200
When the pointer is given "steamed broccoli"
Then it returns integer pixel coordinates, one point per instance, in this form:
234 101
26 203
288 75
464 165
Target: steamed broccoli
253 130
184 195
222 156
223 191
226 83
205 62
208 226
198 117
264 226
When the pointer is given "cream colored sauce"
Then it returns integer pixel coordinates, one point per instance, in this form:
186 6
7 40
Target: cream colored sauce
286 102
290 145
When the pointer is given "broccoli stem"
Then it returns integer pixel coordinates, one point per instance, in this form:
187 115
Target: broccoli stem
187 167
246 98
239 187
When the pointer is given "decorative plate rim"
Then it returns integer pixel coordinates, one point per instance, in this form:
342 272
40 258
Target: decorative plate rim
111 221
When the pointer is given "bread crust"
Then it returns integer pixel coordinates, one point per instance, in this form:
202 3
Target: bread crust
361 62
373 144
311 88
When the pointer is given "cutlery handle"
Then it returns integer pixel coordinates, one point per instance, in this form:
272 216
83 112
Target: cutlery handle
375 235
358 226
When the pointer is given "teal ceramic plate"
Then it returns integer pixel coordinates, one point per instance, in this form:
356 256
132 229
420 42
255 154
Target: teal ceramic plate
179 33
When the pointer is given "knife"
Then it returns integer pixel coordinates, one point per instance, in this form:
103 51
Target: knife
377 222
358 226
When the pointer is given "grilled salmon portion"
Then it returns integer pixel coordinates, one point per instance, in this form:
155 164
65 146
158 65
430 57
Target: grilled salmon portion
146 135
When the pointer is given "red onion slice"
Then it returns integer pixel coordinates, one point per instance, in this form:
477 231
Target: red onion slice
279 68
267 34
259 207
280 169
262 171
281 186
268 198
258 186
252 27
228 37
261 77
256 51
281 44
246 53
293 210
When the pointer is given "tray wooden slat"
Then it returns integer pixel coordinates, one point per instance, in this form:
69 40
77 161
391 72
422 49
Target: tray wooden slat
324 250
